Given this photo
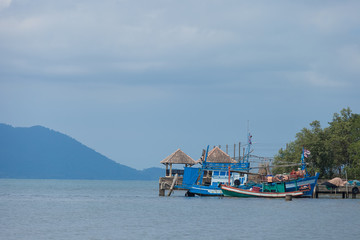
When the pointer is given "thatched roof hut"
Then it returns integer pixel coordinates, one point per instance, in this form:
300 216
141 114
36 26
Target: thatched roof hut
216 155
177 157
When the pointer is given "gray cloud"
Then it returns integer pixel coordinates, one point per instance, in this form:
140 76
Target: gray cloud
74 65
86 37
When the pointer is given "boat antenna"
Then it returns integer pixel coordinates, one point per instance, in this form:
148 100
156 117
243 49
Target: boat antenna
246 159
248 148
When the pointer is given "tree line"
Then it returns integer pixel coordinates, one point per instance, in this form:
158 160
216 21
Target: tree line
335 150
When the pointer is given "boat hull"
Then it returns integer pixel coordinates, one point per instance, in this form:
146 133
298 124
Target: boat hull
292 186
206 191
209 191
238 192
306 181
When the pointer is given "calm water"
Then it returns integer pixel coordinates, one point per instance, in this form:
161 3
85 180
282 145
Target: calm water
67 209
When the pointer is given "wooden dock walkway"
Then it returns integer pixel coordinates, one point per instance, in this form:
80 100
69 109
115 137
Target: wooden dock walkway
344 192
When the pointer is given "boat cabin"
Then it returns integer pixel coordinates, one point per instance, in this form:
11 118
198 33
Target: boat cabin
223 177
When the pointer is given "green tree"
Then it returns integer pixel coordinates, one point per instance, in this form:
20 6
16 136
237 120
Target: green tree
335 150
353 168
311 140
340 140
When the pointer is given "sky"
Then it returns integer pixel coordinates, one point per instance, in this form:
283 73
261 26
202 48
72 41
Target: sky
136 80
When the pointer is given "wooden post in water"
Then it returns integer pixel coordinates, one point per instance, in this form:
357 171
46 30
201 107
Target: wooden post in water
162 186
161 190
315 194
347 189
173 184
288 197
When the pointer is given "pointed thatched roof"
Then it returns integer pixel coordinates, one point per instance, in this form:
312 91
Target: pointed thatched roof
216 155
178 157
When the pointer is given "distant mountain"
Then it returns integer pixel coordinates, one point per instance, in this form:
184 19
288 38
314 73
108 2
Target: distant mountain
153 173
38 152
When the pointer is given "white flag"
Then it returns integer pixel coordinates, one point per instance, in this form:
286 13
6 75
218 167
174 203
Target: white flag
306 153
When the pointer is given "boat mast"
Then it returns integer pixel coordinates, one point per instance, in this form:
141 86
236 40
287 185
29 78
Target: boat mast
246 159
204 165
303 164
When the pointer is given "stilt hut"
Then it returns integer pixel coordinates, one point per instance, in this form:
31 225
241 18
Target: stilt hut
177 157
216 155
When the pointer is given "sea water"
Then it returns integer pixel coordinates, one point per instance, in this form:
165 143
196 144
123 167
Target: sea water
78 209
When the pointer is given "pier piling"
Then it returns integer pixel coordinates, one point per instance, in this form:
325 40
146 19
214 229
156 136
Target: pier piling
173 184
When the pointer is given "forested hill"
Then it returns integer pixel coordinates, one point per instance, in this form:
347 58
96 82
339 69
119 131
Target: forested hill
38 152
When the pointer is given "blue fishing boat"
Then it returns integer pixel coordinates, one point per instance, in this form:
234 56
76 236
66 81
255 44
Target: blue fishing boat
303 177
267 191
196 180
299 183
219 175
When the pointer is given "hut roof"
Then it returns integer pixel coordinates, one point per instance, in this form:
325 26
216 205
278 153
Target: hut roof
216 155
178 157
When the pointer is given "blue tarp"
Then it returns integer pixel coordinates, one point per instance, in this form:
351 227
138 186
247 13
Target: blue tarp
190 175
354 182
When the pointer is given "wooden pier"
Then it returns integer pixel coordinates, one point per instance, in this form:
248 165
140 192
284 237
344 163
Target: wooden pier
165 183
344 192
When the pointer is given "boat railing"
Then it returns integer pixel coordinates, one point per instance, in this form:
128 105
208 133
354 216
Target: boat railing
222 166
179 172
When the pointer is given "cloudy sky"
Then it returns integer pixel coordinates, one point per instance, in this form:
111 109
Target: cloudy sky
135 80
